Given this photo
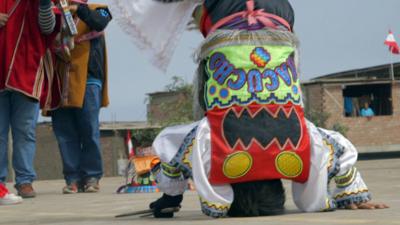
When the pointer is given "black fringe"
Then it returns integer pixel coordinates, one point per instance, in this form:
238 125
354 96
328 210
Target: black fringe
259 198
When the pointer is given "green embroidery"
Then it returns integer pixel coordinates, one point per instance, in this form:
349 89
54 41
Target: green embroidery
248 74
170 171
346 179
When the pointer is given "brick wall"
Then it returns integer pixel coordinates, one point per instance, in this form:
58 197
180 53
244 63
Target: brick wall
312 97
48 161
157 110
381 133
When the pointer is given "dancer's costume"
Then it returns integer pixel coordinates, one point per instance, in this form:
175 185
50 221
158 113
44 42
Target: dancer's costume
254 128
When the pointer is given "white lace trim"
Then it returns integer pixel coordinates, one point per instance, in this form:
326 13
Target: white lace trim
160 42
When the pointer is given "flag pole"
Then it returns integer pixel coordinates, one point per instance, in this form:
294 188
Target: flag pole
391 67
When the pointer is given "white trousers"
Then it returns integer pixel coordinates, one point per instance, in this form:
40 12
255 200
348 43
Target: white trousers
332 157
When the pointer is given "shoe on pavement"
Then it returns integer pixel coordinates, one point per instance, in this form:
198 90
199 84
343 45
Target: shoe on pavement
71 188
92 185
10 199
25 190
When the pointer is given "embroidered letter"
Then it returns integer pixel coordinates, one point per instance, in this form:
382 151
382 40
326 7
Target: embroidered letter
216 60
283 72
223 72
274 82
292 68
254 81
240 80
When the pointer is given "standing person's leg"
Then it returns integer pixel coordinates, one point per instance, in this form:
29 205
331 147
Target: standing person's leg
91 158
4 129
6 198
24 115
68 137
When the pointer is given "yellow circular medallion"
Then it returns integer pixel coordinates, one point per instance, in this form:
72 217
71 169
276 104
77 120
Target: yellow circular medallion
289 164
237 165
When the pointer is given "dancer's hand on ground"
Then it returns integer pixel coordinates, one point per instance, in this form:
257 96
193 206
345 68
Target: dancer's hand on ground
367 205
3 19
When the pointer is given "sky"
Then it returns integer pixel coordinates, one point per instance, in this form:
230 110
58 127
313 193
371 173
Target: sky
335 35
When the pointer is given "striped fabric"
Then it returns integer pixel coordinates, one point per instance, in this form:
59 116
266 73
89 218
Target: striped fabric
141 189
47 19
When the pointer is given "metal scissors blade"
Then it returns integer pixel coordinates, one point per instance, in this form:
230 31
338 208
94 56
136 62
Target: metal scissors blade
140 212
148 212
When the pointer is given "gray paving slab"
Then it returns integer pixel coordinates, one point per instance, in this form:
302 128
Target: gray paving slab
53 208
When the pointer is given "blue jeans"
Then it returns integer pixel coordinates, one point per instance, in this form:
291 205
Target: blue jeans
20 113
78 135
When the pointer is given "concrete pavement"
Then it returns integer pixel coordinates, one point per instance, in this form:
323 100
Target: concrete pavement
51 207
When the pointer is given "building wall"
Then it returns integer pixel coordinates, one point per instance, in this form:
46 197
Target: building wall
157 108
48 164
381 133
47 160
312 97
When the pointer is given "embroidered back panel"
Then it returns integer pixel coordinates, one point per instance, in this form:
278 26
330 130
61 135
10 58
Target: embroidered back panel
253 101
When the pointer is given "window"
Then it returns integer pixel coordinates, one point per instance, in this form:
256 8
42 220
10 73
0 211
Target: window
367 100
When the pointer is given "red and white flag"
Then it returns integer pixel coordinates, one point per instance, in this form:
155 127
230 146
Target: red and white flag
131 150
392 44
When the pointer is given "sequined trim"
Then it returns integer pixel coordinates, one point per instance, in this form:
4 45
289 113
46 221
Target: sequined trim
338 150
187 155
346 179
350 193
214 209
183 158
170 171
330 205
355 197
331 154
